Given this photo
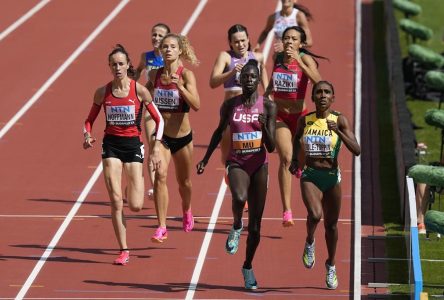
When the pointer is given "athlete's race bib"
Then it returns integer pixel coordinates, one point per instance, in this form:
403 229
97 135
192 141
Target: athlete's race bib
166 99
124 115
285 82
247 142
317 146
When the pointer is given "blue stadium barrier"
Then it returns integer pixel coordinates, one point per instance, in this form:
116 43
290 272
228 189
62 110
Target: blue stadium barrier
414 257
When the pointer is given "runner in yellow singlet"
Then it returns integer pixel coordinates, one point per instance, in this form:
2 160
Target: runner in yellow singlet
321 134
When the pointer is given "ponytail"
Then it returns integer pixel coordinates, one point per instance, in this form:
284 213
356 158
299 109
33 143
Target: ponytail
188 51
305 10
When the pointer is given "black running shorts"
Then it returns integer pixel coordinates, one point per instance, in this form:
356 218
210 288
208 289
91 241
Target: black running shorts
127 149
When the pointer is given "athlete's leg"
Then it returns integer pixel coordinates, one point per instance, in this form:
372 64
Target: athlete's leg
284 147
422 194
257 194
239 182
332 206
183 164
225 143
112 173
312 198
160 186
150 127
135 185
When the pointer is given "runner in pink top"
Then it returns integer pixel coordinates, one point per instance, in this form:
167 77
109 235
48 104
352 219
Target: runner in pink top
292 70
252 122
174 90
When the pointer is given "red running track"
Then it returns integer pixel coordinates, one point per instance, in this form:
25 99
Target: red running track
44 168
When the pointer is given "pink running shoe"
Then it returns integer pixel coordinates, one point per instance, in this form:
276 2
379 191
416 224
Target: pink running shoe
187 221
160 235
298 173
287 219
123 258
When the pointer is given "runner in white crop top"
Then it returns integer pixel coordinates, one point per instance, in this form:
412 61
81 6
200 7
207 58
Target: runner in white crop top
291 14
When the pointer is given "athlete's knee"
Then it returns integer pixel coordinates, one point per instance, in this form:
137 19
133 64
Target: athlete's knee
331 226
238 198
116 205
238 203
314 216
115 195
161 176
185 184
135 207
285 160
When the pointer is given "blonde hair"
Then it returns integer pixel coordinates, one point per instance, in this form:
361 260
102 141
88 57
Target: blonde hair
184 45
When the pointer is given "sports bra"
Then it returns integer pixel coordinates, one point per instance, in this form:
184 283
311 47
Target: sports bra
122 115
281 22
318 140
289 81
233 83
167 96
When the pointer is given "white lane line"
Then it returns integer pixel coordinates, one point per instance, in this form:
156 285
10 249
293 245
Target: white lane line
99 168
222 189
206 242
270 36
357 160
194 17
23 19
276 295
63 67
59 233
113 298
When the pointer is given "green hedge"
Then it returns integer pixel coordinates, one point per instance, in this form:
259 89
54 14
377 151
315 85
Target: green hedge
416 30
435 117
426 57
408 8
435 80
431 175
434 221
